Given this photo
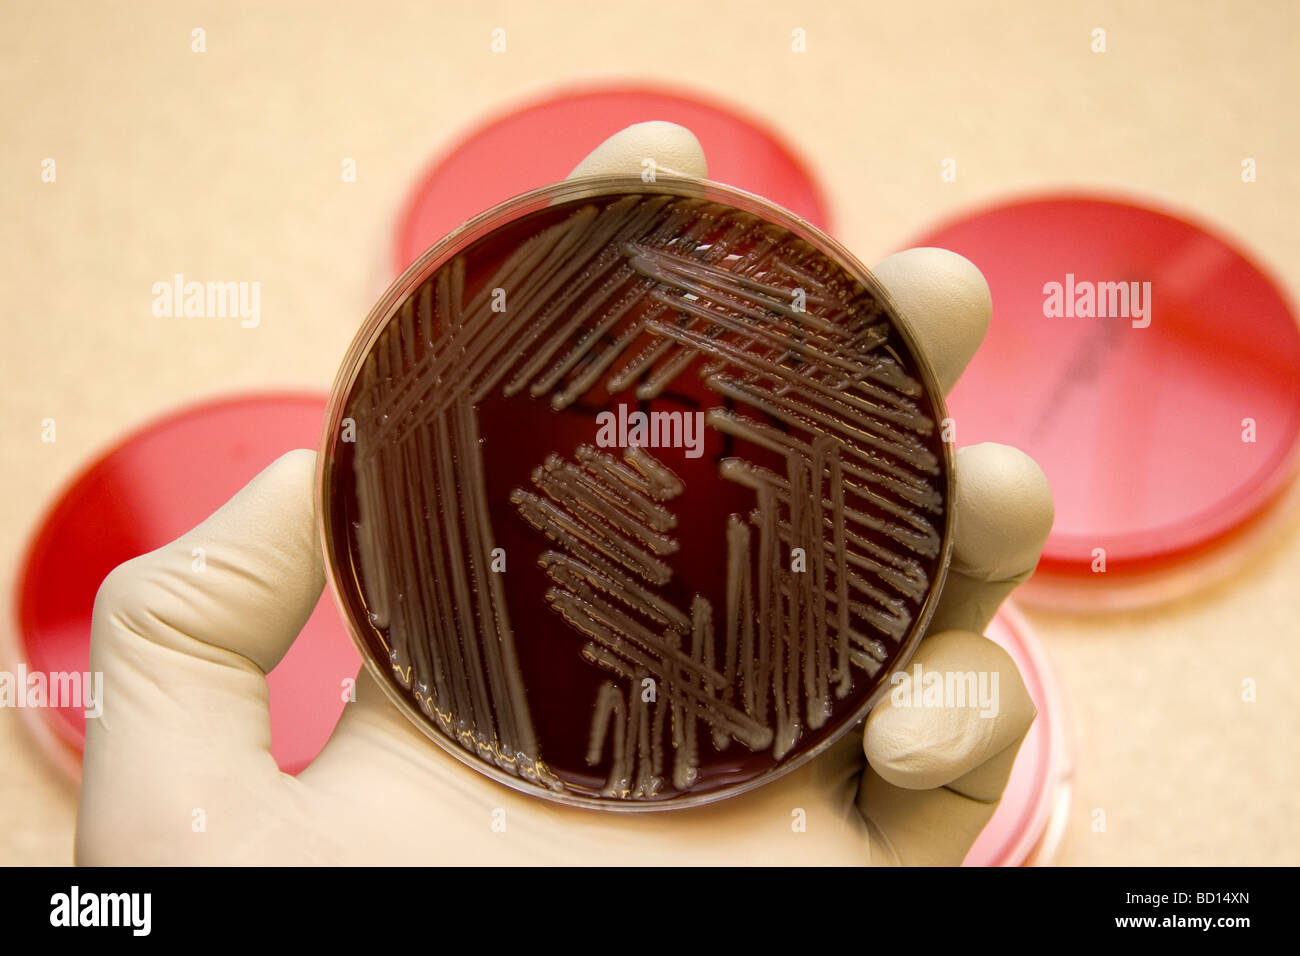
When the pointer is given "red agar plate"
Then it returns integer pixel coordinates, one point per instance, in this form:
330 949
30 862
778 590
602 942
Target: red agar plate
153 486
1166 424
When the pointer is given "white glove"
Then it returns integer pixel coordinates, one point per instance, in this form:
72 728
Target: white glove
178 768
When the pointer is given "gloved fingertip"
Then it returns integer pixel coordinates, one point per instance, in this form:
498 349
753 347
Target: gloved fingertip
670 148
960 702
1004 512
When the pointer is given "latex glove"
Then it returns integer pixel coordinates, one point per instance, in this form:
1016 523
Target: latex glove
185 734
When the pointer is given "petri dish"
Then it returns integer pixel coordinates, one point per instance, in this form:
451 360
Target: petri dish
632 495
153 485
1167 420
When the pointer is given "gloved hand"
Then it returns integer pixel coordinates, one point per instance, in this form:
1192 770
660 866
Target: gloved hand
185 734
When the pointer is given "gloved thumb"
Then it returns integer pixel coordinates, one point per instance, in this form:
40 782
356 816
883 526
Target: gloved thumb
184 636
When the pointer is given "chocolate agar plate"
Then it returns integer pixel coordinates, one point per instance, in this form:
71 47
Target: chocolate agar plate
634 494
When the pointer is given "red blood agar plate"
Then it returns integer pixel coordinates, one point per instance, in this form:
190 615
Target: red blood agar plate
153 486
1165 426
634 494
538 144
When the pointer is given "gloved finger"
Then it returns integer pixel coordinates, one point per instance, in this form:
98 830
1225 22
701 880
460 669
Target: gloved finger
184 636
672 149
935 775
960 702
245 580
1003 515
940 748
929 827
945 301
